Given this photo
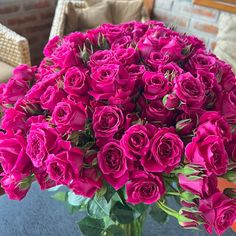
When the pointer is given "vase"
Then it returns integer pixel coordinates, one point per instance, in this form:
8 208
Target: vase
135 228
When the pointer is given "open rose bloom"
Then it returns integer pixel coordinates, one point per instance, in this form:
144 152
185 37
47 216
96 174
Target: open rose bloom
124 116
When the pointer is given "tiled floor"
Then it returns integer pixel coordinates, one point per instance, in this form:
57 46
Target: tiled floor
38 215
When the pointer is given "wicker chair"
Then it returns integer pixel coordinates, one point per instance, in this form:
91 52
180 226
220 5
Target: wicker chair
14 50
59 21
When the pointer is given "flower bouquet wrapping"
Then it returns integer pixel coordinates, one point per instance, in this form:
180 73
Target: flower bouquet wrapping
128 118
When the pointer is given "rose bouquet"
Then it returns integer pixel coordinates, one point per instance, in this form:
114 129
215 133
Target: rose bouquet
129 118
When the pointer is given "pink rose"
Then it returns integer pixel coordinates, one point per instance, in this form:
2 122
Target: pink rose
112 163
24 72
51 46
65 166
43 178
190 90
156 85
218 212
51 97
75 81
204 186
15 188
228 105
126 56
208 151
66 55
101 57
153 40
41 140
107 121
135 141
156 59
39 88
211 122
14 120
201 61
136 71
89 181
14 90
231 148
112 32
170 70
13 157
165 153
105 80
122 42
186 123
174 49
144 188
207 78
155 112
69 116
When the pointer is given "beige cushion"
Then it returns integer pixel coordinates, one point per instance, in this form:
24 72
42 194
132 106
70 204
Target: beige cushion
5 72
226 39
89 17
126 10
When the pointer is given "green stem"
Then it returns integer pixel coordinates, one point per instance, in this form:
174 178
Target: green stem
172 212
173 193
134 228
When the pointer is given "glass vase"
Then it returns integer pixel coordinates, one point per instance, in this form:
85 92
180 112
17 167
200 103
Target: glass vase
135 228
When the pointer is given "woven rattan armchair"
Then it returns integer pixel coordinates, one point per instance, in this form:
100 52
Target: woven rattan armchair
59 21
14 49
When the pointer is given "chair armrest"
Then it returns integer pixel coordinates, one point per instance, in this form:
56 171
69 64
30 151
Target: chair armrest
14 49
59 20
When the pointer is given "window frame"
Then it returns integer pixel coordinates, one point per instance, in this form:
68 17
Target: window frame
224 5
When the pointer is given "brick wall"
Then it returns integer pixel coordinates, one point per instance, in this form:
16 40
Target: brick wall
193 19
31 19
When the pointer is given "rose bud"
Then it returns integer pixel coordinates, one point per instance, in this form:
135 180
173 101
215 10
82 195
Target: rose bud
192 218
231 175
187 204
171 101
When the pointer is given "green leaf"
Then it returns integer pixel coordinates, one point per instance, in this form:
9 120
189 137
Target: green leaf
60 196
109 193
139 209
77 200
72 209
91 227
158 215
122 213
98 207
115 230
188 196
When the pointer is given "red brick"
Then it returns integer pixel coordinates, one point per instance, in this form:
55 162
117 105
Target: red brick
205 27
9 9
168 18
38 28
161 16
180 21
37 5
21 20
47 15
205 13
